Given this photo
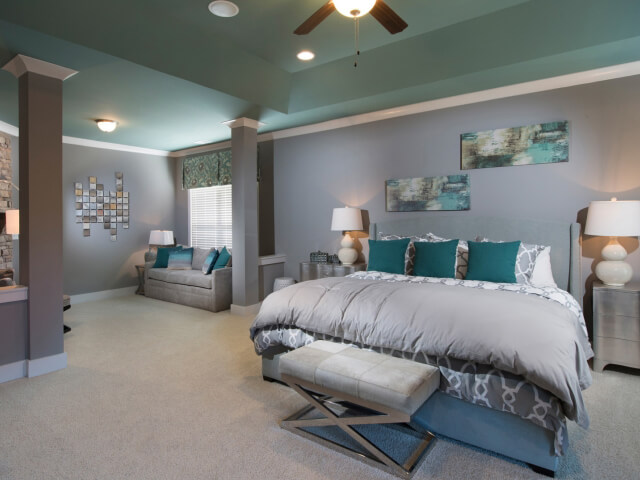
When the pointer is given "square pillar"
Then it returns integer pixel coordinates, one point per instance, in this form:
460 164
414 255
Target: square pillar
40 137
244 178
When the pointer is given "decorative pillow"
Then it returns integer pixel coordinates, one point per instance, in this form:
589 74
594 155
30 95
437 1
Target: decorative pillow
162 258
436 259
411 252
493 262
210 261
462 254
388 255
542 275
180 259
526 259
222 260
199 256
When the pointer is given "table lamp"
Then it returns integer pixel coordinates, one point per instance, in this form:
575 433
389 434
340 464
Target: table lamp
614 219
158 238
347 219
12 219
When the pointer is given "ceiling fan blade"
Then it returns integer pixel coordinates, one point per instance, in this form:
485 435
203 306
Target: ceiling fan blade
388 18
314 20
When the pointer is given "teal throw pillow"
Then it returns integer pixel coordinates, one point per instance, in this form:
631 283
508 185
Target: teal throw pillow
222 259
387 255
209 262
180 259
493 262
435 259
162 258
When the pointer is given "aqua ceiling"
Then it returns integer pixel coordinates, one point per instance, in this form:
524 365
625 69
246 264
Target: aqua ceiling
170 72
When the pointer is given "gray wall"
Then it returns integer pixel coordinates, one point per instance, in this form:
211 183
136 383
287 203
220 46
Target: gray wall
315 173
96 263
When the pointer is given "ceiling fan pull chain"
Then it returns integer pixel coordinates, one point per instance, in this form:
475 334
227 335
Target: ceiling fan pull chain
355 65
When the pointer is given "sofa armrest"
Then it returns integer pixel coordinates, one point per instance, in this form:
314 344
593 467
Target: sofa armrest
221 288
148 266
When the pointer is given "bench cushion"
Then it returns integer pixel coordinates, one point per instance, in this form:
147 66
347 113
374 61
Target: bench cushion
394 382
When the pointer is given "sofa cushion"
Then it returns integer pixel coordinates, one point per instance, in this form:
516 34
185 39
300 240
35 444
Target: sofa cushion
162 257
180 260
199 256
193 278
223 259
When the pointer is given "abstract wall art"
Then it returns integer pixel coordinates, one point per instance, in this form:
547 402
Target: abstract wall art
95 204
451 192
506 147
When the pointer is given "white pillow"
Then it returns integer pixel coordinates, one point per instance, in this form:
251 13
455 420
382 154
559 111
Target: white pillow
542 275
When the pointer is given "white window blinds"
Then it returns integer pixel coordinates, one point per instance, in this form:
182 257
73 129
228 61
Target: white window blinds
210 216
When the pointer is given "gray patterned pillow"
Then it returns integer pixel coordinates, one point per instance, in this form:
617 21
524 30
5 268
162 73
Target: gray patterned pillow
199 256
525 260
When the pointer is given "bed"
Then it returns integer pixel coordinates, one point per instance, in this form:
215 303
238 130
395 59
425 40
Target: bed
526 418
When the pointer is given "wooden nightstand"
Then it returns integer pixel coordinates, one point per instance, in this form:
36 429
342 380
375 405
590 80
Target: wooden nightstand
616 325
312 271
140 269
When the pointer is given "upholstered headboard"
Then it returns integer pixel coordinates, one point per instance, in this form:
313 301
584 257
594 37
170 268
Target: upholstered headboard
564 238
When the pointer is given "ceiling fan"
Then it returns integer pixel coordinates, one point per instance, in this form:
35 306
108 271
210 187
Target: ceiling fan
355 9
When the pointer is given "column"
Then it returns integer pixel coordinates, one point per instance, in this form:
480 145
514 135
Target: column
244 173
40 135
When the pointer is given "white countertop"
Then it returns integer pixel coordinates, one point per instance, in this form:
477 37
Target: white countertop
15 293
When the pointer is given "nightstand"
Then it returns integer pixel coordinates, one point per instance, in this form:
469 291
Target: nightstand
140 269
312 271
616 325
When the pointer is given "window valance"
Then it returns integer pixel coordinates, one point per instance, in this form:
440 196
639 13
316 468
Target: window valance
206 169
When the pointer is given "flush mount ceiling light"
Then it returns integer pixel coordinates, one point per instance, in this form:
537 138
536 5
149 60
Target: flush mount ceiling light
354 8
107 125
223 8
306 55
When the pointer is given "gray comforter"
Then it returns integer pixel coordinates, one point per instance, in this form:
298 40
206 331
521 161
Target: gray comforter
535 335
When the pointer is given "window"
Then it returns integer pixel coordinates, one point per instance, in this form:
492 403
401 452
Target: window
210 222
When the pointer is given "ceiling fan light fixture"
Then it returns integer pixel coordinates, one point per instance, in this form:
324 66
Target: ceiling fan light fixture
107 126
306 55
354 8
223 8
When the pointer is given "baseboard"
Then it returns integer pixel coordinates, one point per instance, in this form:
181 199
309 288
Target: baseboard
103 295
13 371
245 310
43 365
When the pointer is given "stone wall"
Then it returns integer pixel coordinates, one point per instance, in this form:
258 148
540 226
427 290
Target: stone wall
6 245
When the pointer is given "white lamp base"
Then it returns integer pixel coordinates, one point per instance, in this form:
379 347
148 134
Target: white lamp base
347 254
613 270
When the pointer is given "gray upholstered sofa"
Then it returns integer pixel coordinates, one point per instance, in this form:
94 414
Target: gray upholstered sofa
190 287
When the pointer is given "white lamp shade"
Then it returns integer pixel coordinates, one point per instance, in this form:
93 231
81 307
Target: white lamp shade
12 218
614 218
161 237
346 219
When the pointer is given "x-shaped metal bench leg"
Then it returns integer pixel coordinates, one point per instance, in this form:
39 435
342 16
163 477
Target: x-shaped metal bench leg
296 423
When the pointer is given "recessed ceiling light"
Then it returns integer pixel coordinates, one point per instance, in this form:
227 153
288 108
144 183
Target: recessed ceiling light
223 8
107 125
306 55
200 142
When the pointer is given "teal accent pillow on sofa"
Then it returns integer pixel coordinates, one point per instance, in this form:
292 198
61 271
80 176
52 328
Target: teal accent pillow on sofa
435 259
210 261
222 259
180 259
387 255
162 258
493 262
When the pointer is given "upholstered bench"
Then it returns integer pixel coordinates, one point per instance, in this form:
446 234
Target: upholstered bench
350 386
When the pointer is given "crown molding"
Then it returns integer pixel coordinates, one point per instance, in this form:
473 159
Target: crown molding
21 64
114 146
8 129
244 122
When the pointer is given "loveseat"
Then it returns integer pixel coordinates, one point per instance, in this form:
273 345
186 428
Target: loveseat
190 287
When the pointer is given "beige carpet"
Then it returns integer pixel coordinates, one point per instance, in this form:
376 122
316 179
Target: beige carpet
160 391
